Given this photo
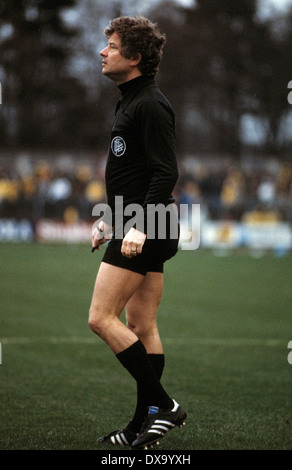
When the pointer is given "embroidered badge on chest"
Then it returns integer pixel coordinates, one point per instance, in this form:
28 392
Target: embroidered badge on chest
118 146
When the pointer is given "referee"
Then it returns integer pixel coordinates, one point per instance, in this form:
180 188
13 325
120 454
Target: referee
142 169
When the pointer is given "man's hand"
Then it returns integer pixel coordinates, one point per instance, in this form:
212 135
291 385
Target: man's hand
100 235
133 243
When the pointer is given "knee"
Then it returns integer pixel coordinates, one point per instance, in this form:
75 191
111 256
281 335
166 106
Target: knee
96 323
141 329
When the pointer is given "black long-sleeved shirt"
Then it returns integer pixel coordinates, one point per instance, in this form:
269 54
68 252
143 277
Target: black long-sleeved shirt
141 163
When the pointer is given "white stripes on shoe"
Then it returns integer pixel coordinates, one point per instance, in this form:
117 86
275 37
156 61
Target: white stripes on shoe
119 438
161 427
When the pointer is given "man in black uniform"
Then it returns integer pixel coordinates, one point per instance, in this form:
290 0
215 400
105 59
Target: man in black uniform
142 169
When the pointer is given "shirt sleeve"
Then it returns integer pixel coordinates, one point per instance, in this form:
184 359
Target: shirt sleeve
156 126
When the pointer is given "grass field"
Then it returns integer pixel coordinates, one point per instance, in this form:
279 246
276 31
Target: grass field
225 323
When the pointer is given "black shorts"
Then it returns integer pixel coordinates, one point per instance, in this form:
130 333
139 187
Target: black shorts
153 256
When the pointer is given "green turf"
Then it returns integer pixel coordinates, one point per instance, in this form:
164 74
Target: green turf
225 323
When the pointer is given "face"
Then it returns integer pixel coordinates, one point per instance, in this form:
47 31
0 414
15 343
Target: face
114 65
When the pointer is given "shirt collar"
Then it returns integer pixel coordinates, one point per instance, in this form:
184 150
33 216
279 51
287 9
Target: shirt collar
131 88
131 84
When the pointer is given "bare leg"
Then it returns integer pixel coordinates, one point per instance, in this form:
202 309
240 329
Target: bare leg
141 312
113 288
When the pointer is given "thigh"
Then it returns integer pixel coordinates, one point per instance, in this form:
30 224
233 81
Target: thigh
113 288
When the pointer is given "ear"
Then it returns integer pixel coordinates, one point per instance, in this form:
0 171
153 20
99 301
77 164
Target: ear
136 61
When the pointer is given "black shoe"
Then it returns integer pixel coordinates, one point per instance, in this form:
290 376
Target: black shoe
157 424
123 437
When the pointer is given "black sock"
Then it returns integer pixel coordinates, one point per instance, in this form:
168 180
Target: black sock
135 359
157 362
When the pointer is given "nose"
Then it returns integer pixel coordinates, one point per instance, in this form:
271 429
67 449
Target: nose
103 53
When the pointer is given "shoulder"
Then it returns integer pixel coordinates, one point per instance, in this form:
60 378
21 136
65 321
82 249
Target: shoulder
152 101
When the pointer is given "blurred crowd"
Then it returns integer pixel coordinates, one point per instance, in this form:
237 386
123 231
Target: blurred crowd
67 188
251 190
